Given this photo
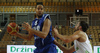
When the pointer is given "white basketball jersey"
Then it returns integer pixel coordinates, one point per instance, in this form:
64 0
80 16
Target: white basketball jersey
83 47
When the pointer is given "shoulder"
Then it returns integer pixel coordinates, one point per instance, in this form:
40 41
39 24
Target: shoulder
83 37
80 33
45 15
33 21
77 32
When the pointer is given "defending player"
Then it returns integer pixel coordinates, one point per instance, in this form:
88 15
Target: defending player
80 38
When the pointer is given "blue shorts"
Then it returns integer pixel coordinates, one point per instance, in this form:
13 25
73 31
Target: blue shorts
47 49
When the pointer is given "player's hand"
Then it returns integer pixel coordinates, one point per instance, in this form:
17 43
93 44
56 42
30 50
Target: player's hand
55 31
26 26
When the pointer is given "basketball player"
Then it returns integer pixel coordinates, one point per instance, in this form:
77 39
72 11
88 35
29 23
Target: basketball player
80 38
41 30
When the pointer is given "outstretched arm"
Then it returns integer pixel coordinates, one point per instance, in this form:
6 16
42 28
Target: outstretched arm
65 50
66 38
45 29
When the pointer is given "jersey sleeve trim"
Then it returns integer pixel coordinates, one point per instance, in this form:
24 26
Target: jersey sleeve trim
47 16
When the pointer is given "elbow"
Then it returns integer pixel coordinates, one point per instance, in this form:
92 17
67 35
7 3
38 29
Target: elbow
44 36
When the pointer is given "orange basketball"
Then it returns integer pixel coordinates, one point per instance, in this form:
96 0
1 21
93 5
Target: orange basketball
12 28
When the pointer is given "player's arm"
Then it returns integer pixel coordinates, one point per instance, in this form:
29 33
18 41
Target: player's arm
66 38
65 50
24 36
45 29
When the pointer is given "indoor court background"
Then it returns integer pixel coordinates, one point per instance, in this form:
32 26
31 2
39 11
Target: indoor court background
60 11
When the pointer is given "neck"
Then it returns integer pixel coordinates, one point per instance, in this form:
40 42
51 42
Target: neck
39 16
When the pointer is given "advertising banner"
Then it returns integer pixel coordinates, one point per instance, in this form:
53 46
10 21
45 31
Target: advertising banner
24 49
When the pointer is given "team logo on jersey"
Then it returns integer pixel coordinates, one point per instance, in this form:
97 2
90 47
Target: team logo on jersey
36 22
87 51
77 48
37 28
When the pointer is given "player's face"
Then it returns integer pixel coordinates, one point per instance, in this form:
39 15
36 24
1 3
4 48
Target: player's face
77 26
39 10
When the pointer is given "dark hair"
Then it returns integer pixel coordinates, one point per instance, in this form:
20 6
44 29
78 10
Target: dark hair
39 3
84 25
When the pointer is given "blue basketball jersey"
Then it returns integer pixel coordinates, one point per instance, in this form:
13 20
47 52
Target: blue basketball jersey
37 24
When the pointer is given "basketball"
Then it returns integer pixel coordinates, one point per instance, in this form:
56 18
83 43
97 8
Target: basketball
12 28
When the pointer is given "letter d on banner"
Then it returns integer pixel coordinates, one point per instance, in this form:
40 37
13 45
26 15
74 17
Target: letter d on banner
20 48
12 49
98 50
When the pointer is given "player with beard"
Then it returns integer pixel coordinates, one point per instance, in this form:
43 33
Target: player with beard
41 30
80 38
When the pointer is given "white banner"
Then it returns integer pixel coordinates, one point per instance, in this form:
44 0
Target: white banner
23 49
96 49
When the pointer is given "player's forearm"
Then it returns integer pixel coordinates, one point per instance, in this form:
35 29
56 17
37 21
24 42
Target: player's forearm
61 37
65 50
64 38
61 47
21 36
38 33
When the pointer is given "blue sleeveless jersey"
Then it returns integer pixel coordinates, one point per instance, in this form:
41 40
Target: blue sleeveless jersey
37 24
